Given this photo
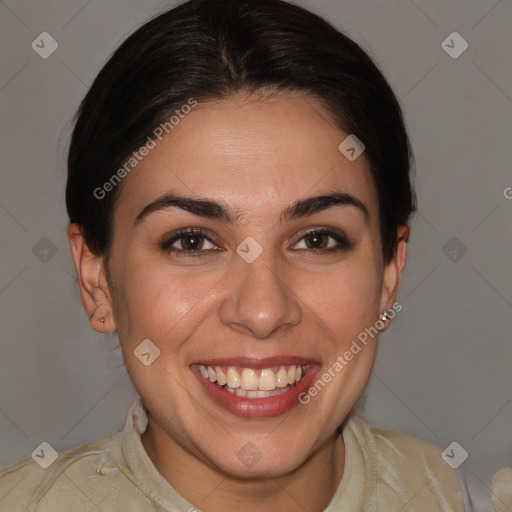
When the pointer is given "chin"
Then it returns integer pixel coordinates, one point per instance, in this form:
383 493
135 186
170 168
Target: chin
250 461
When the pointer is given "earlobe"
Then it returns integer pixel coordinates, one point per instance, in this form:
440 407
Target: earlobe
90 273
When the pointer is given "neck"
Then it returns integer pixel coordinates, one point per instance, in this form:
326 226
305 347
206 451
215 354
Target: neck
309 487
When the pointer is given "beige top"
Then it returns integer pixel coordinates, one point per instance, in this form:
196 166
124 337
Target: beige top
501 490
385 471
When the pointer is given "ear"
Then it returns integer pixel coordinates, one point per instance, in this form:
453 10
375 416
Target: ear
91 274
392 272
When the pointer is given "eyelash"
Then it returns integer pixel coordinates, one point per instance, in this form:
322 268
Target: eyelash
344 243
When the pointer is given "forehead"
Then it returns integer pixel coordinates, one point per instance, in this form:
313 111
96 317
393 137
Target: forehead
255 154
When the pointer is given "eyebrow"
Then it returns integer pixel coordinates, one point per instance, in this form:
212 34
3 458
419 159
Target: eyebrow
217 210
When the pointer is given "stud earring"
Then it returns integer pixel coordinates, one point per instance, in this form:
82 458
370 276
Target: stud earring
386 316
102 320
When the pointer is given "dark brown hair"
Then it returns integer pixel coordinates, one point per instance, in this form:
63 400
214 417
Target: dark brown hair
211 49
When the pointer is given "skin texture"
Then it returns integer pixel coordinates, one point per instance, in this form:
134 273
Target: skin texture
257 155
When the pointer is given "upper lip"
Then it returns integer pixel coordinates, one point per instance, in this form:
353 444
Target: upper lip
255 362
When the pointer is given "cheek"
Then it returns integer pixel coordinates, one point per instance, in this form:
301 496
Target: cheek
156 303
347 299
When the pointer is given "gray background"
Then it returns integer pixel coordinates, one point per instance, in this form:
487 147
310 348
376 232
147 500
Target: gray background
443 372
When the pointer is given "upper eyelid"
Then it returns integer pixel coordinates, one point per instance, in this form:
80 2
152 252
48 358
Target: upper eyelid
321 229
173 237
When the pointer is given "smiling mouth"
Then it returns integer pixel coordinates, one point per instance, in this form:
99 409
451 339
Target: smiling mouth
254 383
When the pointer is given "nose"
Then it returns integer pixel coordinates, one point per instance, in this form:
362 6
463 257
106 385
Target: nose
261 301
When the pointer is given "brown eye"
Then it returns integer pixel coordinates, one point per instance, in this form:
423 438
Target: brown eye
188 242
316 240
324 241
192 242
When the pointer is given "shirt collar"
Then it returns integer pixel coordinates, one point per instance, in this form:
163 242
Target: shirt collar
356 490
145 475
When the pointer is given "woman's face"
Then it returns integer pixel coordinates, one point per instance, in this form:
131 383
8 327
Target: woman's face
259 293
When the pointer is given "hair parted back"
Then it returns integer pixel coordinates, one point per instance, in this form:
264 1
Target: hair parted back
213 49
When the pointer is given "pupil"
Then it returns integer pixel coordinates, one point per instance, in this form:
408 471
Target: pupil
316 238
193 244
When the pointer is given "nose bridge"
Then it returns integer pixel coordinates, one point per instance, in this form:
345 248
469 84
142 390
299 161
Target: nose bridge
261 300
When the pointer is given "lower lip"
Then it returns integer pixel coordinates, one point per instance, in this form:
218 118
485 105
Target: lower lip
257 407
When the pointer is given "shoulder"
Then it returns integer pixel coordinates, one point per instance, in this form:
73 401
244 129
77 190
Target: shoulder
408 470
75 480
501 490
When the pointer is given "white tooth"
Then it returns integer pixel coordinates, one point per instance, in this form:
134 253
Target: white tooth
249 379
278 391
232 391
298 374
267 380
240 392
252 394
291 375
263 394
233 379
282 378
203 370
211 374
221 376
